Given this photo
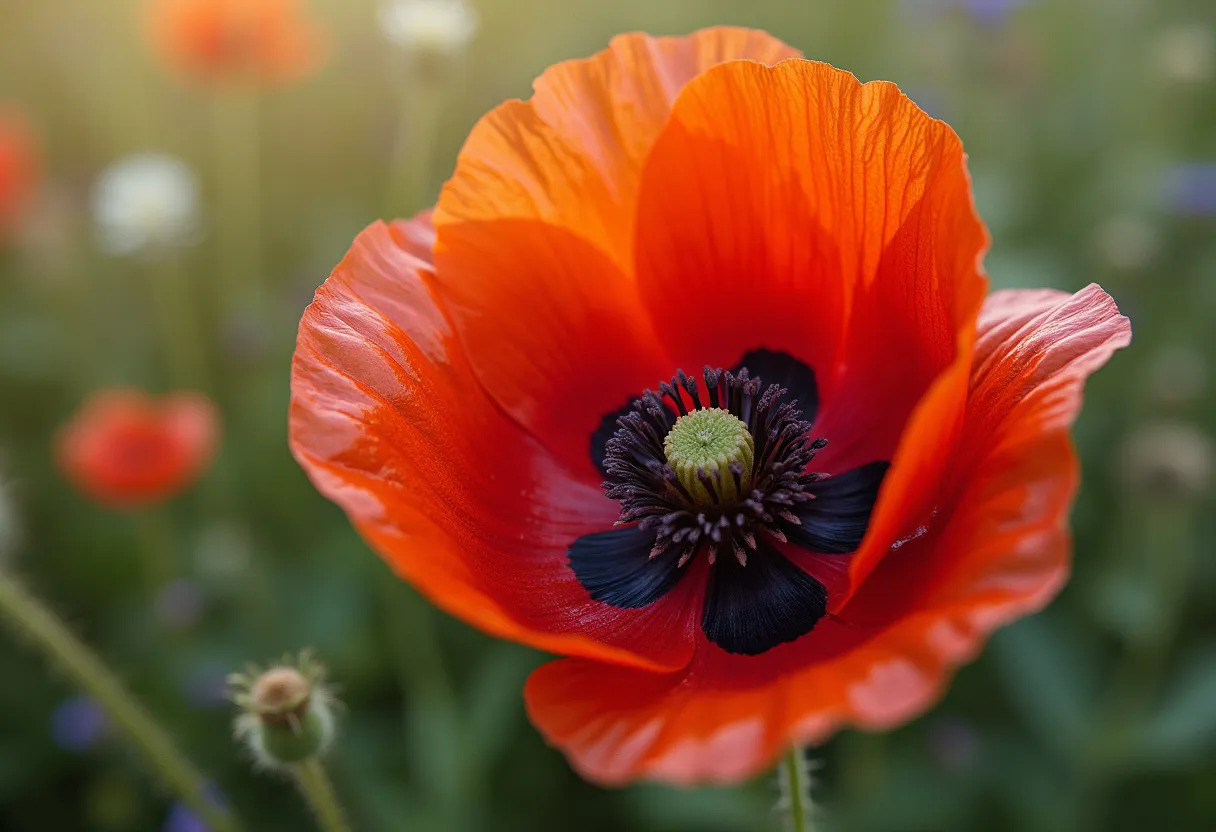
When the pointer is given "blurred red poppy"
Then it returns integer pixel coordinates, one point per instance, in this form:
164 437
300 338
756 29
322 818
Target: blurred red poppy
124 448
18 168
235 41
872 472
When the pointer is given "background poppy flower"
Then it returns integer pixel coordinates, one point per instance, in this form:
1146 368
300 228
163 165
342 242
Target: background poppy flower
18 168
235 41
125 448
465 381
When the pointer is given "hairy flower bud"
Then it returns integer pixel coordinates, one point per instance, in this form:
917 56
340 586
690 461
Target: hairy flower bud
286 711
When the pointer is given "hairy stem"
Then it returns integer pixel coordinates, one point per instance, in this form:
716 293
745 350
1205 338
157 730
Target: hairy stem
33 621
796 790
319 794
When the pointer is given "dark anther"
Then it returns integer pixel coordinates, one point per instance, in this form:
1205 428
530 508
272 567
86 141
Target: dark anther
724 521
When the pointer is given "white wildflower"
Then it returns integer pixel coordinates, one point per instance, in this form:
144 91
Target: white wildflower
436 26
145 202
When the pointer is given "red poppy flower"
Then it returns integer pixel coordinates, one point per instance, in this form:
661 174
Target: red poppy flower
126 449
471 387
18 168
235 41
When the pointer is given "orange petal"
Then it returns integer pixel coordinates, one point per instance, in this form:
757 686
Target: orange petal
535 229
728 718
998 553
546 327
1059 338
796 209
572 154
390 423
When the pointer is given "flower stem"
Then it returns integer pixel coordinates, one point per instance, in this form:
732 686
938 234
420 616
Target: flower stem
156 546
31 619
237 148
420 663
409 180
796 790
319 794
171 291
1161 536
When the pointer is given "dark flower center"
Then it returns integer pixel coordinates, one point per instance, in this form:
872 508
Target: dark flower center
731 468
720 468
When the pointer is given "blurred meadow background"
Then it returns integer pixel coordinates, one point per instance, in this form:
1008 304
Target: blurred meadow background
1091 131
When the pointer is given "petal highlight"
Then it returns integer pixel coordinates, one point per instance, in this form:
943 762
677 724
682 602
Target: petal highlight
1036 347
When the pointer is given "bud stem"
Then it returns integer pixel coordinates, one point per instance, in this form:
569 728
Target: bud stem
172 294
154 528
795 783
319 794
420 111
237 145
32 620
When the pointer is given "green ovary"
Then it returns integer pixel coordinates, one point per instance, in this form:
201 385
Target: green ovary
710 440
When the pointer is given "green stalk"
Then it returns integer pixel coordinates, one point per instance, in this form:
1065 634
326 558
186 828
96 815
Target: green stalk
171 292
32 620
319 794
236 144
419 113
1157 545
155 532
796 789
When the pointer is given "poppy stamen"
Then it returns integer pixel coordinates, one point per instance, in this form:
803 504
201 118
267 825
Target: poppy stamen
711 475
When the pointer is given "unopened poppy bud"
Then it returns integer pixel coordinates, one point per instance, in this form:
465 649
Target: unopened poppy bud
286 711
